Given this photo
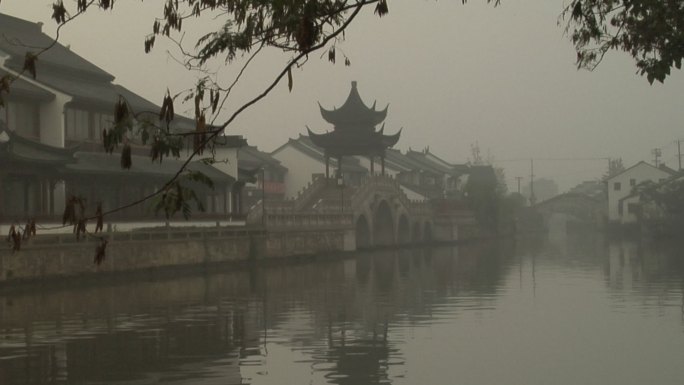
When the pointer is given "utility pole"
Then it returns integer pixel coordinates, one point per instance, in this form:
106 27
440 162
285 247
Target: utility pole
533 199
679 153
518 178
657 153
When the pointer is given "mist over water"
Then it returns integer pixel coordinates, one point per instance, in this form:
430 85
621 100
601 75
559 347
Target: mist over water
573 310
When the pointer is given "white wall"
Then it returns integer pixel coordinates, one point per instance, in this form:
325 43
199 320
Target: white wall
52 130
227 161
640 173
51 114
365 163
300 168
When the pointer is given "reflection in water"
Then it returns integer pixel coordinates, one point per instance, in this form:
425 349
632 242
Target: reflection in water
534 312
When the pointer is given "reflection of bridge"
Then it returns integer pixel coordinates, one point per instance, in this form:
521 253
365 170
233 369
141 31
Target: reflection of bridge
378 211
572 208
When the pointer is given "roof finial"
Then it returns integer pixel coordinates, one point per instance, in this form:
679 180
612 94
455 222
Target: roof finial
353 83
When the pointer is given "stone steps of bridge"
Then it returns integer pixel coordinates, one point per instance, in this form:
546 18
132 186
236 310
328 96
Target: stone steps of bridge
331 196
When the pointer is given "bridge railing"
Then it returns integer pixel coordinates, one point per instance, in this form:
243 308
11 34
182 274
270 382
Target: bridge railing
317 220
313 188
421 208
379 183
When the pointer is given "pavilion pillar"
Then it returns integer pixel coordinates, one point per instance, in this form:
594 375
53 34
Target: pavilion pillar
51 197
27 186
238 203
327 167
382 164
225 200
2 198
372 165
43 197
339 167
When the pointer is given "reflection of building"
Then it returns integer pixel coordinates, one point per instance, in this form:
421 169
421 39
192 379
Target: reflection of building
51 137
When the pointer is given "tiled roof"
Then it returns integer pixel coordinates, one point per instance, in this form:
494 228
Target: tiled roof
19 36
19 148
638 164
305 145
354 114
110 164
23 88
63 70
251 158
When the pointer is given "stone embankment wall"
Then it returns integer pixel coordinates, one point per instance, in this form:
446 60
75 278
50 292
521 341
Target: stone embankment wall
54 256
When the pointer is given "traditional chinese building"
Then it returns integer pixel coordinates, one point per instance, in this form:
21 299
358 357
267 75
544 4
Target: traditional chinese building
354 133
51 143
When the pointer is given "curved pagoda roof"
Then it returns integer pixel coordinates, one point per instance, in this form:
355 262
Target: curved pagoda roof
354 114
354 130
338 143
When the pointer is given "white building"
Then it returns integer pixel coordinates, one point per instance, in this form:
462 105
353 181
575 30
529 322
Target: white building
622 205
305 161
52 124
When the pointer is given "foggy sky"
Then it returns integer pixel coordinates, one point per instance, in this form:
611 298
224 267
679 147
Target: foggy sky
453 75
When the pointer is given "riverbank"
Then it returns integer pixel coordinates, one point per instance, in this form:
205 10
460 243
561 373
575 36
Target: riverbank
54 257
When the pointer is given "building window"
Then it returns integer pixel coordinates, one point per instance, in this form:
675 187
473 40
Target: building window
22 118
617 186
86 125
77 124
101 122
632 182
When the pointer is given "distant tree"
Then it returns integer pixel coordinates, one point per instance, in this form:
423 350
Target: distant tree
511 205
593 188
544 188
476 155
649 30
668 197
482 196
615 167
476 159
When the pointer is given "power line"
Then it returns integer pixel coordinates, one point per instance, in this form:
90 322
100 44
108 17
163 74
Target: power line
551 159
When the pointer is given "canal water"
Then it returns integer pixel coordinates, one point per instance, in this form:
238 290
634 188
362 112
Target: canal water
573 310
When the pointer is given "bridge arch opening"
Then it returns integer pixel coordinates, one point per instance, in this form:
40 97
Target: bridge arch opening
403 230
416 235
363 233
383 225
427 232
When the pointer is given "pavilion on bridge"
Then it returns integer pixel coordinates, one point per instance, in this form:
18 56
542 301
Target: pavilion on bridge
354 133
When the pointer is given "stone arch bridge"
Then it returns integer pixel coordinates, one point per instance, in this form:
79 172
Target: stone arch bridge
376 213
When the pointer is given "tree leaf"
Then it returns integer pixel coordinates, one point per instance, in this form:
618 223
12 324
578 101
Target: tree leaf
381 8
331 54
126 160
30 63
